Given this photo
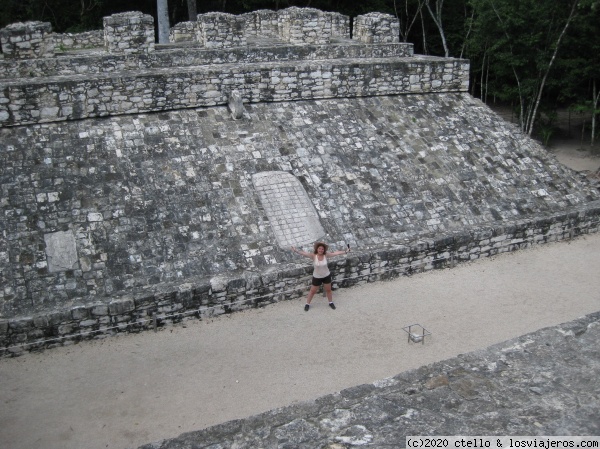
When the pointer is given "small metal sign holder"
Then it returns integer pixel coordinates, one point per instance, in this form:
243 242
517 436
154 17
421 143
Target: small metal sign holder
416 333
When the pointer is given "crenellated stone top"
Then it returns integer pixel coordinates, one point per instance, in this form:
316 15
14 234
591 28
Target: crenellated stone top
133 32
376 27
129 32
220 30
27 40
285 55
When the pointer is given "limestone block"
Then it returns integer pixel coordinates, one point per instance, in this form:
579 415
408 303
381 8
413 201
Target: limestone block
77 41
27 40
267 23
61 251
221 30
183 32
129 33
375 28
235 105
304 26
340 25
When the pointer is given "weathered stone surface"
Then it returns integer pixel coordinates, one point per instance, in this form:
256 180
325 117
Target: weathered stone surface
263 51
129 32
61 251
133 220
78 41
376 27
235 105
544 383
43 100
304 25
220 30
27 40
155 201
288 207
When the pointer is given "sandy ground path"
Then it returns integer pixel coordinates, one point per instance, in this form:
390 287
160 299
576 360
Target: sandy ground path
576 156
129 390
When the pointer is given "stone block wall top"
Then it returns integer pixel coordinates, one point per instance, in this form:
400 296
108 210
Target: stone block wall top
128 19
267 23
27 40
133 32
221 30
304 26
183 32
250 26
264 22
421 151
78 41
340 25
376 28
129 33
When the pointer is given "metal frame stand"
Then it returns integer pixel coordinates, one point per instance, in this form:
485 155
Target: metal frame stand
416 333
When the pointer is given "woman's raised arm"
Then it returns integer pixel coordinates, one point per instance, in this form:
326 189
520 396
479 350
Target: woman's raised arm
302 253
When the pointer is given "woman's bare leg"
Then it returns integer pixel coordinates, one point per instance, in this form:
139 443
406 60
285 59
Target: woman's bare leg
311 293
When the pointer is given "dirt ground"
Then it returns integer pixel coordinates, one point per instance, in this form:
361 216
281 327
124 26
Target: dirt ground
568 143
571 154
129 390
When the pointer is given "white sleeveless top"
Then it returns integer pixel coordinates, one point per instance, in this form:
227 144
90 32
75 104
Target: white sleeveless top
321 269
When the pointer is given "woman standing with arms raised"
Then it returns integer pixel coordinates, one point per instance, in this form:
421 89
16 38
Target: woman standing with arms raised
321 273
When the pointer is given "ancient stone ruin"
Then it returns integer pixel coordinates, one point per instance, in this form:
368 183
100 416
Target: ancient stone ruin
146 183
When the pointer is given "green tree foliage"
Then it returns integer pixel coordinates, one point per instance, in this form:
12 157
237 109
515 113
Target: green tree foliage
577 82
513 47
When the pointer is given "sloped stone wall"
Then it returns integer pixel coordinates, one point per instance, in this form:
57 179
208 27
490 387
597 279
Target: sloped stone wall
340 25
116 219
165 220
226 294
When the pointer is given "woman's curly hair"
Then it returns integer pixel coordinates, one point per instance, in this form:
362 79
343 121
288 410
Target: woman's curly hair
316 247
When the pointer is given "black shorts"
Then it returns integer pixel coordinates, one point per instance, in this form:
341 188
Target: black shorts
320 281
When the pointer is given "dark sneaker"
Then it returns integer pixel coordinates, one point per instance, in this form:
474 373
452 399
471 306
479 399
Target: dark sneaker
306 307
332 305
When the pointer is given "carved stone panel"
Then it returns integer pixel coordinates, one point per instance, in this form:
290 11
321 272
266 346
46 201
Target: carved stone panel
291 213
